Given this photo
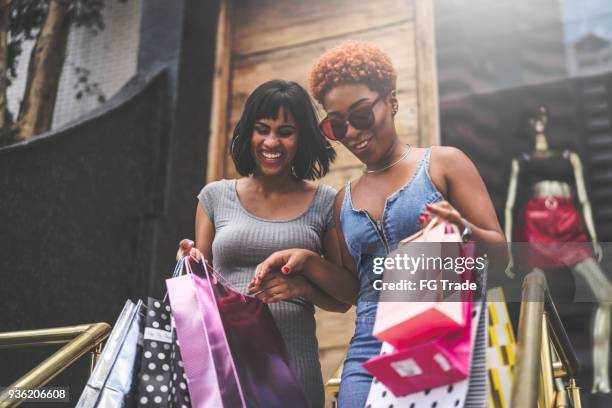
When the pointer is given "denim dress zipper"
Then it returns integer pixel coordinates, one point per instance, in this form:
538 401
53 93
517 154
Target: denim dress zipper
380 231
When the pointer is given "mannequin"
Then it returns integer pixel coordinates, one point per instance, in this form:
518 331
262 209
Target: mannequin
550 216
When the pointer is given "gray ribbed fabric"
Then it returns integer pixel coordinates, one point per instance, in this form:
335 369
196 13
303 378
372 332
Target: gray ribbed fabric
243 240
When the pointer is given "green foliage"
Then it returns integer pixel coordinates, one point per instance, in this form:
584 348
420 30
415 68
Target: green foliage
84 87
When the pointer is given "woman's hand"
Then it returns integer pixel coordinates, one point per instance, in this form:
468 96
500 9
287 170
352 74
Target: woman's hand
275 286
187 248
445 211
288 261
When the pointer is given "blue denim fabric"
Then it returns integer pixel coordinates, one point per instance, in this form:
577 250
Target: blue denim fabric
365 241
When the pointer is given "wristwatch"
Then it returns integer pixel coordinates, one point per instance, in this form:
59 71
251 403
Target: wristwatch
466 234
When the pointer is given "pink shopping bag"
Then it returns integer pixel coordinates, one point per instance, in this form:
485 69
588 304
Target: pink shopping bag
233 353
432 340
211 379
403 324
439 361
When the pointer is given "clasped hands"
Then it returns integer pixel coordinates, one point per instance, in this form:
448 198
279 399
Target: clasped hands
278 278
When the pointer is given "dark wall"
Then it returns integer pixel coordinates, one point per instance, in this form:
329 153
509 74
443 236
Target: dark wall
190 58
91 214
72 207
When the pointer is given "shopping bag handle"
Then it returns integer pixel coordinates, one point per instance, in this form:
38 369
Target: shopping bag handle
218 275
178 271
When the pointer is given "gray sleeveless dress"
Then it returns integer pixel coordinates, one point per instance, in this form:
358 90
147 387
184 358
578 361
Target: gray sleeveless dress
243 240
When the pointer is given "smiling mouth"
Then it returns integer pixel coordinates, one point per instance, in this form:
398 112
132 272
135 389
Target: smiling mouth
360 145
271 156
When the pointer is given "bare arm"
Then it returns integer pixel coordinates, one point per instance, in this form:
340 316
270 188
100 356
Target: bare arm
511 199
587 213
325 301
468 199
508 213
276 286
467 192
204 235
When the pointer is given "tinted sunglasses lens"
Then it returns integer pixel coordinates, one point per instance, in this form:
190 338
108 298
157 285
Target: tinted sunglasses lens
362 118
334 130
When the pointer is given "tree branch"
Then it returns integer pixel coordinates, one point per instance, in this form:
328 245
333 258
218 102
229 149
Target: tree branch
45 69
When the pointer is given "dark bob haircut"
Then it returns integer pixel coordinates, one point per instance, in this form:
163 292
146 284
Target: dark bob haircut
314 153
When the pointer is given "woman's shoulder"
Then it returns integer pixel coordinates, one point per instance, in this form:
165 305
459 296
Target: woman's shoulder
327 192
448 156
215 188
448 161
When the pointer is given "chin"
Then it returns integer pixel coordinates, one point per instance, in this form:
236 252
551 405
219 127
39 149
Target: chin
272 171
367 155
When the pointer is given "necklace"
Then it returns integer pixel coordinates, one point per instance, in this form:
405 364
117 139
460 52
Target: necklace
366 171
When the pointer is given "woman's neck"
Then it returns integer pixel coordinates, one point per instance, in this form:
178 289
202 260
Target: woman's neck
392 155
272 184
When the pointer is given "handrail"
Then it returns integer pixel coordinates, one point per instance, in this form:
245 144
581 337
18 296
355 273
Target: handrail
527 369
332 386
40 337
79 340
539 326
561 340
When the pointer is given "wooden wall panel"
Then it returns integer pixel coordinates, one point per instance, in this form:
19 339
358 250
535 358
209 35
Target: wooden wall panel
264 25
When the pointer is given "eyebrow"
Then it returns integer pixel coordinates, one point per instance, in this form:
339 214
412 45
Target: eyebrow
284 125
350 107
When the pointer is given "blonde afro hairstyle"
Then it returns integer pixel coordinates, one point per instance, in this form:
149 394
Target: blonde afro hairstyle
349 63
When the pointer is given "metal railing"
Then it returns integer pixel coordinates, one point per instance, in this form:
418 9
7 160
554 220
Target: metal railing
78 341
545 356
332 386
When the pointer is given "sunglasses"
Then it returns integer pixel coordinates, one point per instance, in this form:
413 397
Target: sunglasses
360 118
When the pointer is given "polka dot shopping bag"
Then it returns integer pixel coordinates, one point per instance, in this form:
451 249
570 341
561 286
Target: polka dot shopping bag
161 380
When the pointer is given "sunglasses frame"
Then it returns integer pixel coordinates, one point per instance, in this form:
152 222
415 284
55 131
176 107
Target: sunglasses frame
327 121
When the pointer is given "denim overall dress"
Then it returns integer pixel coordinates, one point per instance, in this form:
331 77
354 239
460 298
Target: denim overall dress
367 239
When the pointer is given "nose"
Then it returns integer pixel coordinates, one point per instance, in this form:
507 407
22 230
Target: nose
272 140
351 132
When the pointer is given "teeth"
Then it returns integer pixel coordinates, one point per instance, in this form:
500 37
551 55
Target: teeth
271 155
361 145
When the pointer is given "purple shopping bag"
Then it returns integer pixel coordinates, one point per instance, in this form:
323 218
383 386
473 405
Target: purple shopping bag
233 353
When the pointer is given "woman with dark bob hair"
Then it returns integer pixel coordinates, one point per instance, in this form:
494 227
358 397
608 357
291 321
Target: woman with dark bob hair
276 147
400 188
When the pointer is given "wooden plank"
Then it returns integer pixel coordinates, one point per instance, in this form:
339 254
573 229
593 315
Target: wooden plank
218 142
334 332
295 63
426 73
265 25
